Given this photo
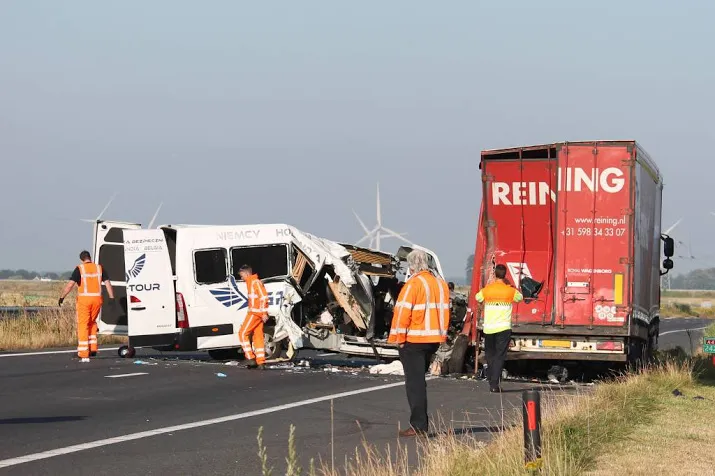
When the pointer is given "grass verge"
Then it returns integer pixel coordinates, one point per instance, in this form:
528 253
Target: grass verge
597 432
51 328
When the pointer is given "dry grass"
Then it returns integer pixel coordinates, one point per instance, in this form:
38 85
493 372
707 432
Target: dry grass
51 328
29 293
591 433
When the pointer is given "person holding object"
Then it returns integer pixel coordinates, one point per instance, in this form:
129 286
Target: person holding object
419 325
88 277
256 317
497 297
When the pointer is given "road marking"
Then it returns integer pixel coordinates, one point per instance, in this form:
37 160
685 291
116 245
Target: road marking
682 330
127 375
327 355
187 426
49 352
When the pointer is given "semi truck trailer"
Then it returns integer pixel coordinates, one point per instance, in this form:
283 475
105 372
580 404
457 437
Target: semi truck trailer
578 226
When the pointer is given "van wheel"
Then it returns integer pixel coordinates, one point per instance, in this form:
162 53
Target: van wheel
459 353
273 349
126 352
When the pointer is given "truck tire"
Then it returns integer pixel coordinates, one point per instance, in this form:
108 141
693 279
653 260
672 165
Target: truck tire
459 353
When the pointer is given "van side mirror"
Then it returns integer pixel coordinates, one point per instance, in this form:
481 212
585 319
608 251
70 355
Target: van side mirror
668 264
668 247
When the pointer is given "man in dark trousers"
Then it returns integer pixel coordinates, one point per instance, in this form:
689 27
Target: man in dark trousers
497 297
419 325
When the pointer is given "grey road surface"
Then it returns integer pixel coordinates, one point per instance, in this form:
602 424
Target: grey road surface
170 415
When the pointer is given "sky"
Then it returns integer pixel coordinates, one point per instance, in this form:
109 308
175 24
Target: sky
237 112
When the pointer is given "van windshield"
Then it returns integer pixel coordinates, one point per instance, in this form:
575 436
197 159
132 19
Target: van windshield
268 261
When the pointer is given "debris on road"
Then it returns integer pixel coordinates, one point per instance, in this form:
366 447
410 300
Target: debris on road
393 368
143 362
221 375
232 363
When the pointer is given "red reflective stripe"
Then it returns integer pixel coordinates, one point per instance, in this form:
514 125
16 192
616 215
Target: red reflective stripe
531 413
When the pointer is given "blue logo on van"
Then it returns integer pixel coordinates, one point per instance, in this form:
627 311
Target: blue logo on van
136 267
231 296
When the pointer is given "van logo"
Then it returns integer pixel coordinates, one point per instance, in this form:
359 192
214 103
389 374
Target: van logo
136 267
231 296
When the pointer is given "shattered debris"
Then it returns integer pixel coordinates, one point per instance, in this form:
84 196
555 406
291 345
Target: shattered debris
393 368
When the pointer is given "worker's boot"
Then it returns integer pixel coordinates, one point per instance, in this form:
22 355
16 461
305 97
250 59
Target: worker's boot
93 354
261 367
251 364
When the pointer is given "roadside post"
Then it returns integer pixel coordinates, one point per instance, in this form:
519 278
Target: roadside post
532 430
709 347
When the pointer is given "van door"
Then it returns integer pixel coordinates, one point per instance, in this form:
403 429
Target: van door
151 293
109 252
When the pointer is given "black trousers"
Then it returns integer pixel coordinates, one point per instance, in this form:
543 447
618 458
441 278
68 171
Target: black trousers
495 348
415 360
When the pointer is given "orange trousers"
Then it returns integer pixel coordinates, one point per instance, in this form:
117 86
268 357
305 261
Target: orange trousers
253 325
87 313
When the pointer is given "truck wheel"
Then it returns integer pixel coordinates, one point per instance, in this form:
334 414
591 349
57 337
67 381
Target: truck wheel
459 353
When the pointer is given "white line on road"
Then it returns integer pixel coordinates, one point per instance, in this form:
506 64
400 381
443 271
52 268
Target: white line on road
49 352
682 330
187 426
327 355
127 375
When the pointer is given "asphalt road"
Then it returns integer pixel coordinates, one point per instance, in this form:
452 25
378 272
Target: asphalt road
682 332
177 416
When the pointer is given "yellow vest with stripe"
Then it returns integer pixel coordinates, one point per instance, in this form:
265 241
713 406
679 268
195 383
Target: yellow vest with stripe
498 298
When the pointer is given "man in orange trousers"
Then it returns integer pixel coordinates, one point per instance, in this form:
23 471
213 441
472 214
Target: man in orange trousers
256 317
88 277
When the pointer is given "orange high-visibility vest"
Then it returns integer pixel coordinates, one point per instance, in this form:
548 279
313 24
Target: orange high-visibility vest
257 296
90 285
422 311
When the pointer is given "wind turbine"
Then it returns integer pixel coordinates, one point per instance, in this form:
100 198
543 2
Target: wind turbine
153 219
99 217
379 231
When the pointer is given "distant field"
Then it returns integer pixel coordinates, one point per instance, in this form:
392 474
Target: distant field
29 293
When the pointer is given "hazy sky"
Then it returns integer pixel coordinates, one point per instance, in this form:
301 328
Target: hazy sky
255 112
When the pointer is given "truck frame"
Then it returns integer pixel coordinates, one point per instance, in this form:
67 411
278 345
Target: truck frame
578 225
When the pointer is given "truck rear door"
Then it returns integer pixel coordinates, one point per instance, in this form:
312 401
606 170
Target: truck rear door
109 252
595 233
518 219
150 287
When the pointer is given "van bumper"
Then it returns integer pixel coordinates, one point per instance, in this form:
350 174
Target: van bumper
183 340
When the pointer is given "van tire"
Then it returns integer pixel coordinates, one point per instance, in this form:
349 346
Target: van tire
126 352
459 353
273 349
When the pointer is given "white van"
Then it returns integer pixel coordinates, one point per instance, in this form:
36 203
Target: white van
178 288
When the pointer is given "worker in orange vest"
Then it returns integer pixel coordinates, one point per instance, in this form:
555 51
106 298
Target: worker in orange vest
497 297
419 325
256 317
88 277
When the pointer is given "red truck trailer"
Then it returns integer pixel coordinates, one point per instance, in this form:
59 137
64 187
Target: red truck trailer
578 226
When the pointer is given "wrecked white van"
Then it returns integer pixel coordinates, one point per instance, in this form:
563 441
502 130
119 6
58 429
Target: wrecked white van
178 288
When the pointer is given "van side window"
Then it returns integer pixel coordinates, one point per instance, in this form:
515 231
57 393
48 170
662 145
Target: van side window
210 266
